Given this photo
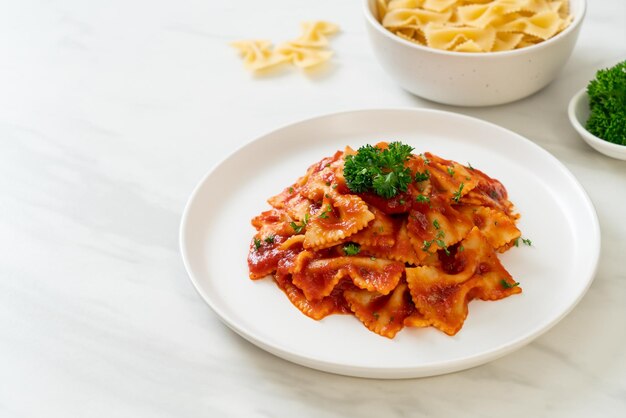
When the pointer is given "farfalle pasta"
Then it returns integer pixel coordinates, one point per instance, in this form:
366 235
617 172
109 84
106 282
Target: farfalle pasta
414 259
474 25
306 51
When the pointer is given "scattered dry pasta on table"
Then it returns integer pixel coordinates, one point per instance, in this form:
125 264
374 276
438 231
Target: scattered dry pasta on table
475 25
306 51
394 238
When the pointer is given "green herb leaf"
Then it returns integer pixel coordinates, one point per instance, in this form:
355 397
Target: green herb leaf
507 285
300 227
270 239
257 244
607 104
527 242
457 195
422 199
324 214
351 248
378 170
422 176
436 224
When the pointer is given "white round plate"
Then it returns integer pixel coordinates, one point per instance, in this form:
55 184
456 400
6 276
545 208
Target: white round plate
554 272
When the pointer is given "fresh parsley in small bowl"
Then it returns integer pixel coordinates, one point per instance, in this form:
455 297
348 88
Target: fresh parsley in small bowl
598 112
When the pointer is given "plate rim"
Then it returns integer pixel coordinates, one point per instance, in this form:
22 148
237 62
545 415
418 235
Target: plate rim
429 369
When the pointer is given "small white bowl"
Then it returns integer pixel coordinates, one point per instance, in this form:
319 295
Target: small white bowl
472 79
578 111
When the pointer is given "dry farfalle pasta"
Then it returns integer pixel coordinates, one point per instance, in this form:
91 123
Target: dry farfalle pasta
475 25
306 51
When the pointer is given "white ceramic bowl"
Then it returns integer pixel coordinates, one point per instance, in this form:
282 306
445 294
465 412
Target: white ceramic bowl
472 79
578 111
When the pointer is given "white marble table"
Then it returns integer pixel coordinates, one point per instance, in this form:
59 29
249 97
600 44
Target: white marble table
110 114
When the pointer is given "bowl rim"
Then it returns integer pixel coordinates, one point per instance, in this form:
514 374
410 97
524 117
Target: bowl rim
576 22
584 133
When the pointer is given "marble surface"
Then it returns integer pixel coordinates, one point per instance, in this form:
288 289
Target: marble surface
112 111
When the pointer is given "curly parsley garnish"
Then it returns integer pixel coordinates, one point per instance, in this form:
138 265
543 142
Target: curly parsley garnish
379 170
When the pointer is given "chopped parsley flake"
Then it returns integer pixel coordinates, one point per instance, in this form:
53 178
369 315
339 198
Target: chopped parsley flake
457 195
422 176
436 224
507 285
443 246
351 248
257 244
527 242
300 227
270 239
422 199
325 213
450 171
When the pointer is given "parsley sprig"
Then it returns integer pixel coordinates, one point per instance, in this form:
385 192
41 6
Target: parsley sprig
379 170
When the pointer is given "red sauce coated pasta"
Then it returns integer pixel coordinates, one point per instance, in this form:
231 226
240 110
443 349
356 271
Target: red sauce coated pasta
415 259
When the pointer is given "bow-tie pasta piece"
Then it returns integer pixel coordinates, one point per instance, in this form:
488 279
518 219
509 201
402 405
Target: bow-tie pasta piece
258 55
314 34
306 51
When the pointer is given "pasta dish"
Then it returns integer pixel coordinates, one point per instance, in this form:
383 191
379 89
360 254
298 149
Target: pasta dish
395 238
